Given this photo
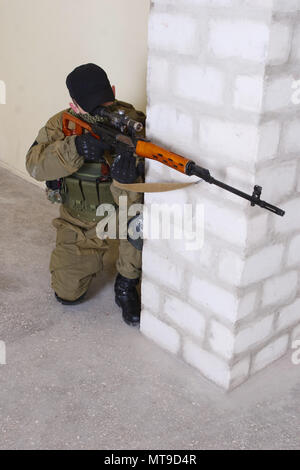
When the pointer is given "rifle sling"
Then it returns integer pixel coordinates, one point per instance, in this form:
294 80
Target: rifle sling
152 187
143 188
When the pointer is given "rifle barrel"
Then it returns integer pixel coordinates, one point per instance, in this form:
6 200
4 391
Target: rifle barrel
254 199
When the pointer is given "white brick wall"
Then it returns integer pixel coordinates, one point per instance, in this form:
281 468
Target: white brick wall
158 72
162 270
248 93
270 353
263 264
296 333
280 43
289 316
203 84
271 179
175 33
258 229
221 340
278 93
280 288
220 78
150 295
290 136
222 221
286 5
209 365
254 334
294 251
291 221
246 305
239 372
237 142
163 334
269 134
231 268
185 316
295 45
167 122
216 299
245 40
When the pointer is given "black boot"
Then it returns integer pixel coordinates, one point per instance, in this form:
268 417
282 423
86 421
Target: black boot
127 298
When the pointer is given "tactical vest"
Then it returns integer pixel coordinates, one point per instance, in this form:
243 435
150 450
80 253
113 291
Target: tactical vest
85 190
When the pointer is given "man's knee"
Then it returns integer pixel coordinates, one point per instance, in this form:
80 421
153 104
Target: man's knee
71 271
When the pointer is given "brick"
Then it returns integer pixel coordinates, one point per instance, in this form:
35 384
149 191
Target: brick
295 55
199 3
208 364
291 221
247 40
269 135
162 269
270 353
296 333
169 224
157 73
263 264
246 305
231 267
204 258
239 176
161 333
213 297
280 288
280 43
266 4
286 5
295 357
248 93
202 84
258 229
294 251
226 223
221 340
150 295
185 316
278 182
254 334
177 33
239 372
289 316
191 245
278 93
236 141
290 138
168 123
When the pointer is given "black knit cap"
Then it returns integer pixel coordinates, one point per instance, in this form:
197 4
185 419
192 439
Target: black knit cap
89 86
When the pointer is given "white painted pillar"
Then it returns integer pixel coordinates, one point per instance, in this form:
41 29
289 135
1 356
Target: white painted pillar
220 77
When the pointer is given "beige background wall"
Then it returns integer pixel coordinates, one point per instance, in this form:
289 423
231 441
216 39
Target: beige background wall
41 41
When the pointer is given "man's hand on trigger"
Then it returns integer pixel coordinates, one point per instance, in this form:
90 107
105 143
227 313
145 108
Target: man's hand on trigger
123 168
90 148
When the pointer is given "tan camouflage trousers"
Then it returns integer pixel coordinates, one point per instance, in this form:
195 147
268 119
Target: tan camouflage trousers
78 255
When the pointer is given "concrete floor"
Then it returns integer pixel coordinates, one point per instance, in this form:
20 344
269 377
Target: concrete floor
80 378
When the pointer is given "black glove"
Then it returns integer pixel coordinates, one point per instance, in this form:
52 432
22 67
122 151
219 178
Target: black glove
90 148
123 168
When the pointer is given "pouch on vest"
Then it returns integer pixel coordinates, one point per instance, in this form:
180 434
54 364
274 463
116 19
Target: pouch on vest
85 190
